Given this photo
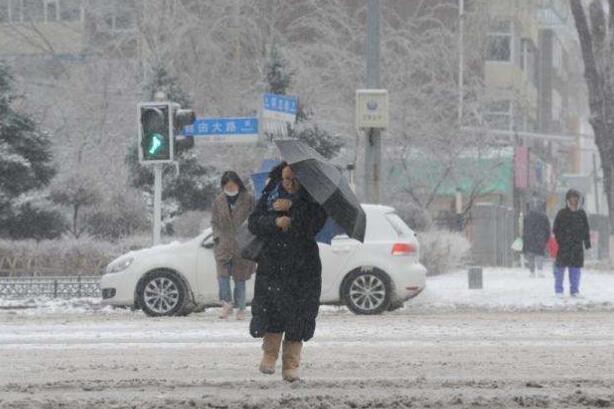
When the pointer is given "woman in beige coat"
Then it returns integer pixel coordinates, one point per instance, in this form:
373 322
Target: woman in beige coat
230 210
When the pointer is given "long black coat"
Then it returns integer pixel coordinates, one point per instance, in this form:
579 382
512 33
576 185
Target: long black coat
289 273
571 231
536 233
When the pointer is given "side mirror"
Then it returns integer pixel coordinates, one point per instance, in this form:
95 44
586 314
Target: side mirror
208 242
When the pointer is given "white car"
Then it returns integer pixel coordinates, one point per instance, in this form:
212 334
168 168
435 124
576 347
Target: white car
370 278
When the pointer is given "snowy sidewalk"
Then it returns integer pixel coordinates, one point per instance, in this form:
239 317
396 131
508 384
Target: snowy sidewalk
512 289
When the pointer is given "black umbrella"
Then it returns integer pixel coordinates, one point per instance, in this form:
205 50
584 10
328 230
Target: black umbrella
326 185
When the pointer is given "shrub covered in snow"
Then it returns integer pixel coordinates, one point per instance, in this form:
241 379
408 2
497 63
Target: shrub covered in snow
66 256
34 220
442 251
122 215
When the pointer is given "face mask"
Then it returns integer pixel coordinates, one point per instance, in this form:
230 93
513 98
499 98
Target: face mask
231 194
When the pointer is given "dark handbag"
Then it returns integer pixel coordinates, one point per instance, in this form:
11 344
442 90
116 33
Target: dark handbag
250 245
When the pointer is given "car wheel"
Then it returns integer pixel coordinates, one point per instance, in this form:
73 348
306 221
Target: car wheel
162 294
367 292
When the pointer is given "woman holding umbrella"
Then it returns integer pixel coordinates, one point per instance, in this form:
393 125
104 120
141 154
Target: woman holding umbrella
289 275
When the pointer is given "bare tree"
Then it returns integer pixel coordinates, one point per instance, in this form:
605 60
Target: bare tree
596 34
429 152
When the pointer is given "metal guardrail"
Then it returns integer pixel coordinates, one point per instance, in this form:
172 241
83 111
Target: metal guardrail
54 287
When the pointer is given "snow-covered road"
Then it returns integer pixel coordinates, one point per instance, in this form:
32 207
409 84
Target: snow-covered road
454 352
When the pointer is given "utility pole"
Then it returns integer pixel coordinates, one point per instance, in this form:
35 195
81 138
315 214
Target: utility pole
461 59
373 153
237 30
461 70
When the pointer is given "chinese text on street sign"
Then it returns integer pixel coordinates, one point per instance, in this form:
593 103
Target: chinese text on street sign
279 107
224 129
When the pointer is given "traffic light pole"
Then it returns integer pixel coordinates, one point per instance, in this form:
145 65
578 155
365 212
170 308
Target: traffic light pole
157 216
159 123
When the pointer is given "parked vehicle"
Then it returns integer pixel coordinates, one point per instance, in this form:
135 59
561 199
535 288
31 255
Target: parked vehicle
370 278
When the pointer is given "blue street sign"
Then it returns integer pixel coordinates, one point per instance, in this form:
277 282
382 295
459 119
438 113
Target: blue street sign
285 104
223 128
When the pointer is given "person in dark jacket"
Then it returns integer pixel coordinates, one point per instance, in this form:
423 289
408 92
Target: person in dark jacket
536 232
572 234
230 210
289 274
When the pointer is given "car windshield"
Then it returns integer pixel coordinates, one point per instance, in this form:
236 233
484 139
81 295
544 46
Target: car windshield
399 226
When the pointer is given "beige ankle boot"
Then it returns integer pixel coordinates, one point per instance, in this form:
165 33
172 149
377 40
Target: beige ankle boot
270 347
291 360
226 310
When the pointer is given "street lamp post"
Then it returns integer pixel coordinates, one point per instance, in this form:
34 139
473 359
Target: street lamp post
461 59
373 150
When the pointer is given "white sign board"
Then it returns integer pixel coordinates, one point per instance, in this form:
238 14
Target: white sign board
372 108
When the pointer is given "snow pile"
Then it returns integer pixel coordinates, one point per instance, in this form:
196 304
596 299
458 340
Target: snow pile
443 251
45 305
514 290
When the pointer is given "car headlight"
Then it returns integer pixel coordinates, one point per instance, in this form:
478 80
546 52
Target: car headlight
120 266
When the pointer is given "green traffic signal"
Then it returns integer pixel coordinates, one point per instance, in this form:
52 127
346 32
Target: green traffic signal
156 132
155 147
155 144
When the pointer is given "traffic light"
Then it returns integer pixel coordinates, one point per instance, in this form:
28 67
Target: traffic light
155 132
181 119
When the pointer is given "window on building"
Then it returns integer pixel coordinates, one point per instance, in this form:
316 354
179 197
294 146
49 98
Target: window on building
71 10
120 15
4 11
15 8
51 10
499 115
18 11
33 10
500 42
